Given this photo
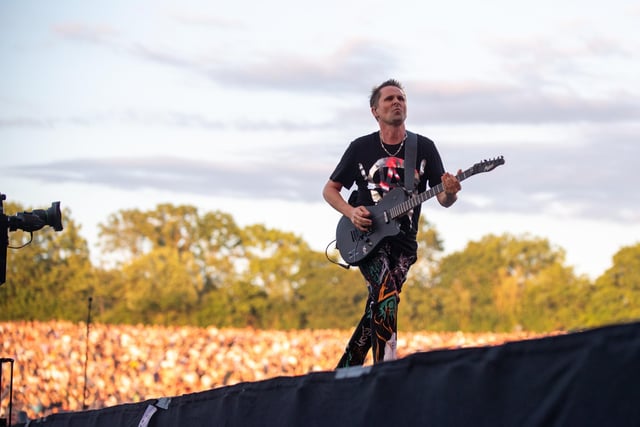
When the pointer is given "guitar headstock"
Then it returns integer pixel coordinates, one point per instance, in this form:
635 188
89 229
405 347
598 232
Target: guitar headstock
488 165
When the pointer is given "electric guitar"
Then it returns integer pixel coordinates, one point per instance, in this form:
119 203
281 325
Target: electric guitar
355 245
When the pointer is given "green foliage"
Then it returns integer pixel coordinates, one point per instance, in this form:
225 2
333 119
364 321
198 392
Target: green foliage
49 278
174 265
555 299
485 287
416 291
162 287
331 297
616 294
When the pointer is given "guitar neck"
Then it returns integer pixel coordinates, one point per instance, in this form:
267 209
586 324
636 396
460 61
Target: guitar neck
418 199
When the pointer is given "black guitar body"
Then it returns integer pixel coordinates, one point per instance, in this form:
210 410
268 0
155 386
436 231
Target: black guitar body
355 245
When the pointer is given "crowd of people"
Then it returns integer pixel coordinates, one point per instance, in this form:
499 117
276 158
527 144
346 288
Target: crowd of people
63 366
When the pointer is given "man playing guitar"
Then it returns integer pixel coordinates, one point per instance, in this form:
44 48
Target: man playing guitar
376 164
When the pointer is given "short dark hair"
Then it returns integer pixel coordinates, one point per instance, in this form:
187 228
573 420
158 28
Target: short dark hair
375 92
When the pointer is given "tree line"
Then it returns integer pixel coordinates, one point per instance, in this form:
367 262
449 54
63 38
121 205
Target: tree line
175 265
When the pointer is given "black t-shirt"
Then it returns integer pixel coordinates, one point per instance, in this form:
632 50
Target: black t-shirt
375 173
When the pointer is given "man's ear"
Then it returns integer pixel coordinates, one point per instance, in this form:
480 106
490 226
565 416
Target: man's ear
374 112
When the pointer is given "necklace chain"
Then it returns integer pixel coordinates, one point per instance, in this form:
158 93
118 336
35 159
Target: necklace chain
397 151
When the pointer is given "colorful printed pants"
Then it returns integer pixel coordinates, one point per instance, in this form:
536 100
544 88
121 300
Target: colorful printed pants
385 273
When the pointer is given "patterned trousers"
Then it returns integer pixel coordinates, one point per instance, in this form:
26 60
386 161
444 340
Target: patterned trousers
385 272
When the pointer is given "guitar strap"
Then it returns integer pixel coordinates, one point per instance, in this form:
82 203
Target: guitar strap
411 148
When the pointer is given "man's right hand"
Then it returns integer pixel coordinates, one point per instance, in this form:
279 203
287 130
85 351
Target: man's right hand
360 218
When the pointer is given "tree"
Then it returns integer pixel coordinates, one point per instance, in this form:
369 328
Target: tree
131 233
616 294
277 263
202 255
555 299
481 287
330 297
415 292
49 278
175 266
163 287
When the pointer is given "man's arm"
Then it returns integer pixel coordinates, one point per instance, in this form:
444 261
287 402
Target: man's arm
451 187
331 193
359 216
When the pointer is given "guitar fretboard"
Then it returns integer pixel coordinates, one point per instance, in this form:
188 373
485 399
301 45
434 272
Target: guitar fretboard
407 205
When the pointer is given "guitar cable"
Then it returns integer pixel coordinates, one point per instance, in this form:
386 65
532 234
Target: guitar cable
326 253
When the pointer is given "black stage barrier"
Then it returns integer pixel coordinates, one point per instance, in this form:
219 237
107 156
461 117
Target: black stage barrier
588 378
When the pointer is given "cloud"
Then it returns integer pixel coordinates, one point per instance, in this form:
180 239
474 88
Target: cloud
338 72
79 31
266 180
341 70
174 119
537 89
476 102
592 180
541 82
207 21
430 105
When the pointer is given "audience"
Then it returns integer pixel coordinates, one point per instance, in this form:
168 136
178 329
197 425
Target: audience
127 364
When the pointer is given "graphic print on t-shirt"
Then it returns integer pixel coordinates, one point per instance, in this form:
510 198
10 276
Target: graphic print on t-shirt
385 175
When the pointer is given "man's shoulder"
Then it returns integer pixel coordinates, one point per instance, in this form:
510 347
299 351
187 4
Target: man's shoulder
424 140
364 139
373 136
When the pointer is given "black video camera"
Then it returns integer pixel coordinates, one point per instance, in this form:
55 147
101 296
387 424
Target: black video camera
26 221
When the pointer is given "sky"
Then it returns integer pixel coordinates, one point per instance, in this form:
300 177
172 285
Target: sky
246 107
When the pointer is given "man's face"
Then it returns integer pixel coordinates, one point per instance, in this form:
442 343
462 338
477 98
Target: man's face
392 106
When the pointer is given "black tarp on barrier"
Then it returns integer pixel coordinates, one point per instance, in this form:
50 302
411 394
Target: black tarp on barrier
589 378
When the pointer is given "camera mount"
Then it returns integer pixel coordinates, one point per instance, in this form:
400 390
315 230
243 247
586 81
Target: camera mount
26 221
